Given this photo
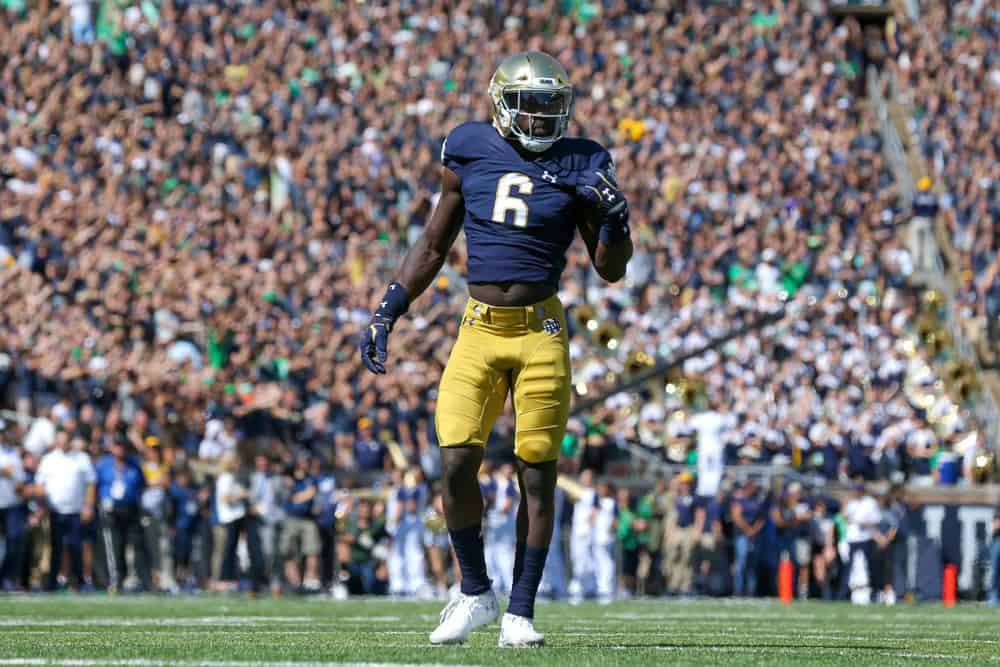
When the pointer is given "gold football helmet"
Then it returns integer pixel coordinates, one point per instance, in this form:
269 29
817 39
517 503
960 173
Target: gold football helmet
532 88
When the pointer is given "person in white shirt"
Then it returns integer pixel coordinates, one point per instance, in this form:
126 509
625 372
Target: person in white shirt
231 507
67 482
501 520
11 480
605 536
710 425
862 514
581 545
41 434
218 440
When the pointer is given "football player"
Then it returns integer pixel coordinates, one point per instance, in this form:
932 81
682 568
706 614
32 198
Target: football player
521 189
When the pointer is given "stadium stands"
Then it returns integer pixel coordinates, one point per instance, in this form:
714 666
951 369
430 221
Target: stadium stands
202 200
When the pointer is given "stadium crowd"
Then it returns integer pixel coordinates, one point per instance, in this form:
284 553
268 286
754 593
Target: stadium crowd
952 75
203 199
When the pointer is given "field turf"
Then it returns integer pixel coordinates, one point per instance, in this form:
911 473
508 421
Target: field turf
224 631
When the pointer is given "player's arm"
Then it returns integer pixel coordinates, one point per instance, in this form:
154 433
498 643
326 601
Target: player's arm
609 260
421 264
605 228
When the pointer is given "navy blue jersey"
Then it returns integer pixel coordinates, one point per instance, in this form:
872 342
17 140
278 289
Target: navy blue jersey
521 208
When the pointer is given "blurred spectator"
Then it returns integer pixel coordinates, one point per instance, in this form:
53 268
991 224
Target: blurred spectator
407 563
651 507
231 507
885 536
157 480
862 515
66 478
583 538
324 514
681 535
993 596
501 529
631 528
120 487
267 491
299 534
12 481
363 535
184 519
792 516
748 520
370 453
605 525
712 561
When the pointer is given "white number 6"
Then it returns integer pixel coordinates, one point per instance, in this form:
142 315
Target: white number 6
505 201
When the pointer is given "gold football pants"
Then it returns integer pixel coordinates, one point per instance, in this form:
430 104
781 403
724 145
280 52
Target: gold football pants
502 349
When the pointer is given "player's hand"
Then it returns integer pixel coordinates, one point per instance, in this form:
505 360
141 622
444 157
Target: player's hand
375 338
601 190
375 345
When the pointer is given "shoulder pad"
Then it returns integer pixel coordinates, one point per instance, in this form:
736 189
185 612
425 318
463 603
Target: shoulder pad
578 154
465 143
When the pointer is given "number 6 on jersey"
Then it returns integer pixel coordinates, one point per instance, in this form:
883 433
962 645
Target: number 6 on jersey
506 201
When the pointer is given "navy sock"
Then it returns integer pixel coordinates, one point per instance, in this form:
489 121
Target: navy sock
522 596
468 543
519 560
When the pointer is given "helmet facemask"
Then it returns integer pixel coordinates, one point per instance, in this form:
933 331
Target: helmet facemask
536 116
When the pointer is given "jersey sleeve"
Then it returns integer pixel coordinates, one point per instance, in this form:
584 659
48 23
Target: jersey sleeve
458 148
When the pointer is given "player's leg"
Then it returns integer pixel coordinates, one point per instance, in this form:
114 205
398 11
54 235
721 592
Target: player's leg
541 402
535 523
470 397
463 511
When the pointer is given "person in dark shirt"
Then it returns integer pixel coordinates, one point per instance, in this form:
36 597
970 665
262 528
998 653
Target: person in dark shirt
925 203
683 531
791 517
185 520
324 509
596 453
299 535
365 537
748 520
712 555
993 598
369 453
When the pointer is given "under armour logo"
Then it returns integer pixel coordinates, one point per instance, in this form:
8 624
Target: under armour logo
608 193
384 304
546 176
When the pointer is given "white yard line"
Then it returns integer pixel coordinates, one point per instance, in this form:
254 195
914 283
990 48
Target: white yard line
173 622
42 662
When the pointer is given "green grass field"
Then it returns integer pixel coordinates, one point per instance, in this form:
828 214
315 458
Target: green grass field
224 631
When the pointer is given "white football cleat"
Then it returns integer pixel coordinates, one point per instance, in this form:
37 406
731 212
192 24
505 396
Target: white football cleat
519 632
463 615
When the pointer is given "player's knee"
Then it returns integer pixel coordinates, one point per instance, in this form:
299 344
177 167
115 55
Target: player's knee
536 450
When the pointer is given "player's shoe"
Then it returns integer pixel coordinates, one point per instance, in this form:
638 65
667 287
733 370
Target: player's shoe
463 615
519 632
